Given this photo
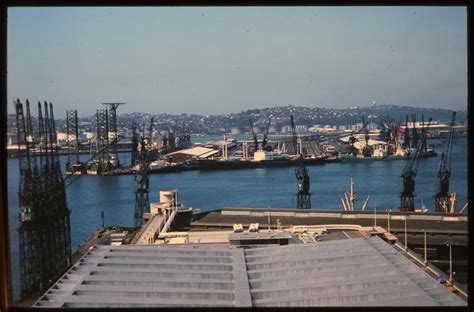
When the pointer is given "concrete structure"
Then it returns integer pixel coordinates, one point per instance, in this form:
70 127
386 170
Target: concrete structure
349 272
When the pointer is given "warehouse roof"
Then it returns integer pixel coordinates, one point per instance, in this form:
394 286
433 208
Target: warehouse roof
351 272
197 151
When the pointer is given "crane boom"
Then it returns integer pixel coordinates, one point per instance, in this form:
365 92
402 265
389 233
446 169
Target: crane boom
294 136
255 140
407 178
303 183
265 136
443 173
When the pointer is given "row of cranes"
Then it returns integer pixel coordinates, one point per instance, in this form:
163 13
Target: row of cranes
264 144
443 173
104 159
444 202
416 143
399 140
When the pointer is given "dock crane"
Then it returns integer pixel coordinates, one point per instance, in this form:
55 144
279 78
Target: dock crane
294 137
366 151
424 148
406 135
302 180
414 133
443 173
407 178
134 156
255 140
142 203
265 136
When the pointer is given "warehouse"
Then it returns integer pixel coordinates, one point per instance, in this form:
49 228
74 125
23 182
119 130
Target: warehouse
191 153
348 272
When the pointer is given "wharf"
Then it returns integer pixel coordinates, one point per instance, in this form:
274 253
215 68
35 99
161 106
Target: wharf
442 229
438 225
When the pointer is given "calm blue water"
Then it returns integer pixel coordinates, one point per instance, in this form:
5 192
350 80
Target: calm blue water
255 188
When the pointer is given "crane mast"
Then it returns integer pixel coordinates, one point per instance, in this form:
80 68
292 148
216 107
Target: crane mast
134 156
407 178
406 135
294 137
414 134
265 136
142 203
443 173
366 151
303 183
255 140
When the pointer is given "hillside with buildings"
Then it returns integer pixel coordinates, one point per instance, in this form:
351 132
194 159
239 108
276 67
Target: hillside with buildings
237 123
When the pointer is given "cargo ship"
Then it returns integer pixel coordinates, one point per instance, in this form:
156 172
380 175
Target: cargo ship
269 161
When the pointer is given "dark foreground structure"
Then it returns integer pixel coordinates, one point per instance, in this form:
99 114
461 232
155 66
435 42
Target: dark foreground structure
44 233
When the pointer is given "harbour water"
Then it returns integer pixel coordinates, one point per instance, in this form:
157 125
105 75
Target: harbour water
256 188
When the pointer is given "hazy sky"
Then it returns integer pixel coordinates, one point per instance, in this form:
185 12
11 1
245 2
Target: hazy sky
222 60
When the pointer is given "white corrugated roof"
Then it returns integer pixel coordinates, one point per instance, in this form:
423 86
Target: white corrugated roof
194 151
354 272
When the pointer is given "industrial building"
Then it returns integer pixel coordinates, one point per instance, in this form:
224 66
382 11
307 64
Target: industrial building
365 271
190 153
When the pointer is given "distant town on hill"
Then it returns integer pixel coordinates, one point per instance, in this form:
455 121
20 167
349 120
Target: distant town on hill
239 122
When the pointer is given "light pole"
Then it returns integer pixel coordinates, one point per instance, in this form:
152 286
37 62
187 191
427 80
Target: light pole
375 215
450 263
426 258
406 237
388 218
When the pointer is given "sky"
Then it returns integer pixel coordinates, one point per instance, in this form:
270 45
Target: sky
212 60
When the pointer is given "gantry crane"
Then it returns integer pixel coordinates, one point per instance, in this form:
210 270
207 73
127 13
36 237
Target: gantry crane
407 178
443 173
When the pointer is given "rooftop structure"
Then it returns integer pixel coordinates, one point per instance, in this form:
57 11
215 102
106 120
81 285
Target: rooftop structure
349 272
194 152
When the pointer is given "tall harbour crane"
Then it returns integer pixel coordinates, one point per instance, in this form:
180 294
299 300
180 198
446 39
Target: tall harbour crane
303 197
406 135
407 178
294 137
142 203
443 173
414 133
424 148
265 136
134 156
255 140
112 109
366 150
